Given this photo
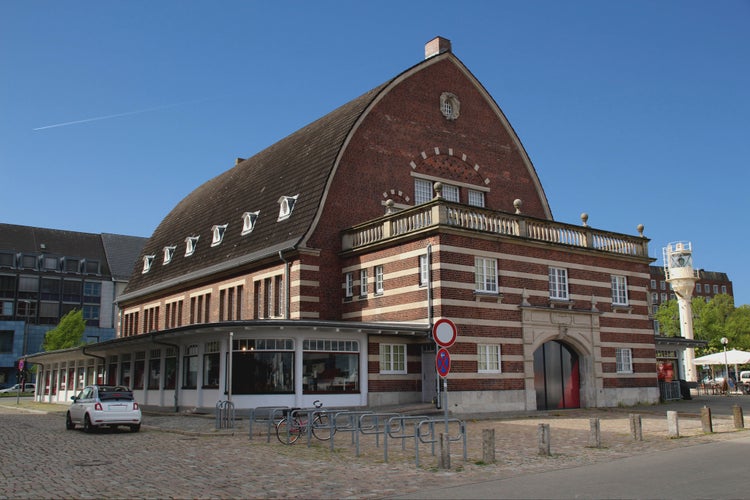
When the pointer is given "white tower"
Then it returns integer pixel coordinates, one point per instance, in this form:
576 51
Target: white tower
678 269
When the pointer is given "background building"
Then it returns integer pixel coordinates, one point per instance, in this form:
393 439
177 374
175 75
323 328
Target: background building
709 284
46 273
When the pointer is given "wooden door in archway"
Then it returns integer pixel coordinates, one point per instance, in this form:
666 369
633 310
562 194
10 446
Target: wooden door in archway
556 377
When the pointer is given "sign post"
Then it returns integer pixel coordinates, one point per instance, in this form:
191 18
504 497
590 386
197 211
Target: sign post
444 332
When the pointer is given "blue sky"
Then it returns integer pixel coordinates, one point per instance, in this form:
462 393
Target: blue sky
636 112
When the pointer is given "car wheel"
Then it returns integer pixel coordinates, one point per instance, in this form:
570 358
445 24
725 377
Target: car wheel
87 427
69 422
135 428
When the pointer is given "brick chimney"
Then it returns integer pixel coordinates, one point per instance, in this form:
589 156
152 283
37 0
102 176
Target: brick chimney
436 46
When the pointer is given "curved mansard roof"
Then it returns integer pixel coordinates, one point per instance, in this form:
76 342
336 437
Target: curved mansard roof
296 165
300 164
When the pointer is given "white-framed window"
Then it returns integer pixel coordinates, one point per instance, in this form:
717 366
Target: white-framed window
363 283
723 289
422 191
698 288
191 242
147 261
620 290
424 270
653 283
716 289
654 298
393 358
286 205
488 358
349 285
190 367
218 232
476 198
211 364
558 283
248 221
168 254
663 297
451 193
624 357
485 274
663 285
379 280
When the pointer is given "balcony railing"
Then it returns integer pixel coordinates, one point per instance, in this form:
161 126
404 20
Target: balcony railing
442 213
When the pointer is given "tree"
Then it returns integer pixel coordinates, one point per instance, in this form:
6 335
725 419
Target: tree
668 317
68 333
712 320
738 327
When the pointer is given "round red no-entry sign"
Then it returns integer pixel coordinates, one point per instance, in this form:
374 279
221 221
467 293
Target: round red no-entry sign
443 362
444 332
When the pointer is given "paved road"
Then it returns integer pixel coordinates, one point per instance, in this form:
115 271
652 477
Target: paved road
182 456
707 470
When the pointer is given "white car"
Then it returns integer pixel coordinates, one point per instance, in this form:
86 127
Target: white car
104 406
15 388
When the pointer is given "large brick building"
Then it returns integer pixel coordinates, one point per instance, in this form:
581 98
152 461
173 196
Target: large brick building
317 268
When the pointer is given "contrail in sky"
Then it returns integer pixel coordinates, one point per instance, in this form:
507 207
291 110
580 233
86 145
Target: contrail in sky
117 115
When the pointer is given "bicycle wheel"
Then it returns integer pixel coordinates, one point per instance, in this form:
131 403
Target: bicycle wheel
321 427
286 432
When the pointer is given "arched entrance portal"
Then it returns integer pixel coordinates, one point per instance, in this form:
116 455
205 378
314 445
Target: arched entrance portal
556 377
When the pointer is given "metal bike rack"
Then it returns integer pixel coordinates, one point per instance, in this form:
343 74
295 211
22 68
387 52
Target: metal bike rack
267 415
373 424
433 436
224 415
346 421
396 429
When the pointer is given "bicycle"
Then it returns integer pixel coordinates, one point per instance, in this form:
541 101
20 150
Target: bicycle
291 427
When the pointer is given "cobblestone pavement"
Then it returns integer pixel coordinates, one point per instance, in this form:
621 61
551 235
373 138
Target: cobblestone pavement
184 456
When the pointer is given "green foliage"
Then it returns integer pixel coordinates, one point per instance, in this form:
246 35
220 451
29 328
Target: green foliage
668 316
68 333
712 320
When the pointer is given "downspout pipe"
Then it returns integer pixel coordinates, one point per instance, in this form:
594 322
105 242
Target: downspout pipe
176 384
287 285
429 285
104 360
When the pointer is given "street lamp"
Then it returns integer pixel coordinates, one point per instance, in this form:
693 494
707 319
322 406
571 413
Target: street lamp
725 341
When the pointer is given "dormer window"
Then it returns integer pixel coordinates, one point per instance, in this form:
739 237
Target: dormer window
286 205
168 254
218 234
147 261
190 243
248 221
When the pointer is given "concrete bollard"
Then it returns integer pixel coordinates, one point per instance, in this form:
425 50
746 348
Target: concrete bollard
708 426
739 420
636 427
543 438
444 461
673 425
488 446
595 433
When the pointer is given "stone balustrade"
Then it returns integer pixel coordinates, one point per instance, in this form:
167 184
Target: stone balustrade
442 213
